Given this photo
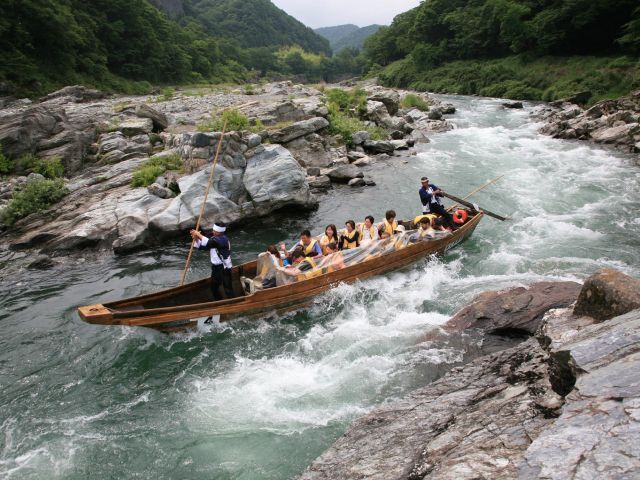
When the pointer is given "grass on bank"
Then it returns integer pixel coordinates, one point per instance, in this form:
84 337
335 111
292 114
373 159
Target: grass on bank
147 173
236 121
412 100
345 109
36 196
516 77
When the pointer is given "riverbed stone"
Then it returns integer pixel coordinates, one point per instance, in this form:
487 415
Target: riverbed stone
608 293
159 119
160 191
135 126
299 129
359 138
344 173
379 146
356 182
516 311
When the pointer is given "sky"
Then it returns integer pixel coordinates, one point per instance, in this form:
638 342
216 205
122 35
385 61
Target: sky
328 13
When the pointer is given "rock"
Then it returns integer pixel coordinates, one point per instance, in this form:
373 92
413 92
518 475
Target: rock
314 151
253 140
47 130
34 177
132 127
313 171
321 182
377 113
344 173
475 422
159 119
75 93
517 311
356 182
379 146
160 191
598 428
355 155
434 114
447 108
299 129
419 136
389 98
400 144
274 179
362 162
161 181
42 262
516 105
397 135
201 140
608 293
108 142
580 98
359 138
369 182
341 161
618 134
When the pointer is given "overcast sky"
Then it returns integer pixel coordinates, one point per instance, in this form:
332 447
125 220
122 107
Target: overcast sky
328 13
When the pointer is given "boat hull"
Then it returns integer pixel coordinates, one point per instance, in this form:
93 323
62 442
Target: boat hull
162 309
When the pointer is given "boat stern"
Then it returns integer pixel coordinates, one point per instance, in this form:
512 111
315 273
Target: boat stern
97 313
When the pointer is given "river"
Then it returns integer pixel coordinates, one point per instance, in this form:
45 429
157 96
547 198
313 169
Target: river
262 399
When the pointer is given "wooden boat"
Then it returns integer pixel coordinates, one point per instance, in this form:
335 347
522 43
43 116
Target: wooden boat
176 308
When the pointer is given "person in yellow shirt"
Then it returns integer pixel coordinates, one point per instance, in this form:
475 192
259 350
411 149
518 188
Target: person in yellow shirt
389 226
367 230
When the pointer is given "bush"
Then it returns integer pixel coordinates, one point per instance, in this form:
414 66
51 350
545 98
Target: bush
347 101
167 93
147 173
36 196
414 101
51 168
344 125
236 121
6 164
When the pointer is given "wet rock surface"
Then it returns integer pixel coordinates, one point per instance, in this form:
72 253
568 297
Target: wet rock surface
562 404
608 293
613 122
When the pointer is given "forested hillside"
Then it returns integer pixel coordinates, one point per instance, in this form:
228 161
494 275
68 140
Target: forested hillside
126 45
355 39
487 46
333 34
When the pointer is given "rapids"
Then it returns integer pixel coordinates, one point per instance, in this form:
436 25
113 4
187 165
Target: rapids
262 399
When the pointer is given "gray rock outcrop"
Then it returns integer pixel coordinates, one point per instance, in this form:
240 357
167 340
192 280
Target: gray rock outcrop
562 404
299 129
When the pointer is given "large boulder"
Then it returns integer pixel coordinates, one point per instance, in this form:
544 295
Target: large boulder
136 126
379 146
377 112
314 151
74 93
159 119
619 134
299 129
344 173
390 98
514 311
274 179
608 293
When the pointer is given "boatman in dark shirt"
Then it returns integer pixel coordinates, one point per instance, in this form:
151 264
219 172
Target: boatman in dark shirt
220 250
430 197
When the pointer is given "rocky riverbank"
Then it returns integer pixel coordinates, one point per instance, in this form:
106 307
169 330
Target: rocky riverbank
610 122
101 140
562 404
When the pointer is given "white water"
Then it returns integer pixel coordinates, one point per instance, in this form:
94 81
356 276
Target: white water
263 399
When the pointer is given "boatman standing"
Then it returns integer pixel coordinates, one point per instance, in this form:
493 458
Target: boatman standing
220 250
430 197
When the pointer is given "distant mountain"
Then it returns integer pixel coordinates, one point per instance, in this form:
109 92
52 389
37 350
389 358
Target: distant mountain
355 39
347 36
333 34
251 23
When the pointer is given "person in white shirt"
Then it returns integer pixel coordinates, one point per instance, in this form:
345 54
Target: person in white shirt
368 231
220 251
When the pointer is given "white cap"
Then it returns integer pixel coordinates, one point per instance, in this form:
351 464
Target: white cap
219 229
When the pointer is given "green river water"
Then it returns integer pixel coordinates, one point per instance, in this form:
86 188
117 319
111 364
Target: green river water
262 399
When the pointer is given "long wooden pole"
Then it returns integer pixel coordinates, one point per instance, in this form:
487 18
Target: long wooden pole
477 190
204 202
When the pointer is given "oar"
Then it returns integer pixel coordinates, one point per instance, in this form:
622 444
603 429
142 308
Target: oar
477 190
204 202
470 205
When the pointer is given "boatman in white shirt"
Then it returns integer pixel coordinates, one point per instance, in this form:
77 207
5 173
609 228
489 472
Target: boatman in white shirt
220 250
430 197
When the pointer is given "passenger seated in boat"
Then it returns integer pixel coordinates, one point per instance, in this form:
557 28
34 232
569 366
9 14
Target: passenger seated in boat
330 236
388 227
350 237
367 231
430 216
275 255
299 264
269 280
426 230
309 245
439 225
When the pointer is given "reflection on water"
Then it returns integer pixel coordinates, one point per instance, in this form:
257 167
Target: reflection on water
261 399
